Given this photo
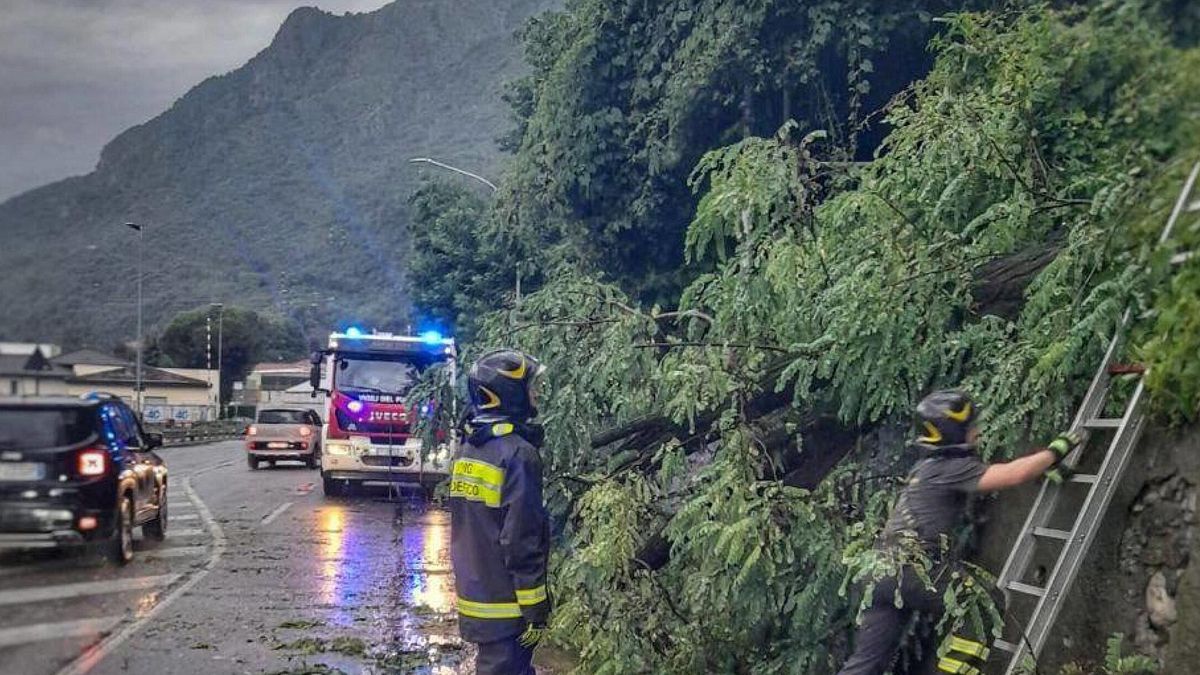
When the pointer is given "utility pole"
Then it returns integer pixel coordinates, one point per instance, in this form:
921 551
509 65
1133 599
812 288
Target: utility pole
220 306
214 395
138 377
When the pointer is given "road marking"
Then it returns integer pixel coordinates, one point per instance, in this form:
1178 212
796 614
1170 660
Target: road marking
39 632
186 516
214 467
95 654
174 552
186 532
270 517
79 590
305 488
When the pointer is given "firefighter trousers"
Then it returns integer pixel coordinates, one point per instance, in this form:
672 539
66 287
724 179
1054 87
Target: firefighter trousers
883 623
504 657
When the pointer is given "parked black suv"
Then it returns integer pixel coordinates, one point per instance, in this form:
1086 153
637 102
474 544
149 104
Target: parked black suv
78 471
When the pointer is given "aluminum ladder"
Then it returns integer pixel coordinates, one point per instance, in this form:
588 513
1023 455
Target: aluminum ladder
1100 486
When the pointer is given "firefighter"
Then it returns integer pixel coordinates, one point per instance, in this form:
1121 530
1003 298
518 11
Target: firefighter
499 537
930 506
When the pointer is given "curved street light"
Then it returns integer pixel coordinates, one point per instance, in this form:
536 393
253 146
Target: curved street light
455 169
481 179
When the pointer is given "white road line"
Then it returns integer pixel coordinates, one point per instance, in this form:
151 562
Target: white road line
267 519
38 632
79 590
95 654
214 467
173 552
186 516
186 532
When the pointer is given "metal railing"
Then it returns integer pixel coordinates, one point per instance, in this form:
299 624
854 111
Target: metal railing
198 433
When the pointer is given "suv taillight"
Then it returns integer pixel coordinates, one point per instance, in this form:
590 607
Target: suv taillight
92 462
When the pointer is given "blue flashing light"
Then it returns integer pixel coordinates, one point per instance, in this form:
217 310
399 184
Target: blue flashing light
355 406
431 337
354 332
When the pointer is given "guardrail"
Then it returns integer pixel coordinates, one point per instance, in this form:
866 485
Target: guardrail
198 433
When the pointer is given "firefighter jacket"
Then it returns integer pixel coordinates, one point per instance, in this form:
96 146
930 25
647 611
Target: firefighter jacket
499 535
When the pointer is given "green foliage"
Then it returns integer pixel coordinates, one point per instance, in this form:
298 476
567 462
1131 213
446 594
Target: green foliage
456 271
626 96
247 338
1036 138
989 156
1115 662
1170 341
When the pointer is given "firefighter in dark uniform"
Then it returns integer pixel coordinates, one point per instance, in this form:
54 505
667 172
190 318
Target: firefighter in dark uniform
499 537
929 508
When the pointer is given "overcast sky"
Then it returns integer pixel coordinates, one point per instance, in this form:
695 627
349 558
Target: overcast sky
75 73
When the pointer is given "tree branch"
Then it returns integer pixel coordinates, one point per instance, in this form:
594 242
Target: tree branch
736 345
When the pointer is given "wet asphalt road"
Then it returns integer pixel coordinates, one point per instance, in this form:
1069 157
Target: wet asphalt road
259 573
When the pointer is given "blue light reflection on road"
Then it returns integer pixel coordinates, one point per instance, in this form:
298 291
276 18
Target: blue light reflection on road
359 572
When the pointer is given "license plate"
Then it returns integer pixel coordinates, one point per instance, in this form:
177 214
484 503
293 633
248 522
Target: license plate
277 445
22 471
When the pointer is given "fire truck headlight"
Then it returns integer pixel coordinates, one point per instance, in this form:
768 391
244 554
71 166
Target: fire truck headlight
337 449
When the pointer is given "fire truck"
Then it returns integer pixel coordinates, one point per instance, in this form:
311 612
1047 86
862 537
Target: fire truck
369 433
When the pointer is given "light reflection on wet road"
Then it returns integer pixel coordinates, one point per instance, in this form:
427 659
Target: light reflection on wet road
361 584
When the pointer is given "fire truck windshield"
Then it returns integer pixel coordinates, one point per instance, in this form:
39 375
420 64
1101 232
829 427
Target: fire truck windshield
376 376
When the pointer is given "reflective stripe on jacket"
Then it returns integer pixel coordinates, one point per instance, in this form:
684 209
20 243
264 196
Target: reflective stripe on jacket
499 538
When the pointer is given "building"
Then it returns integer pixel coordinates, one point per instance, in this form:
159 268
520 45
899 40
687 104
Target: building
268 383
29 370
178 394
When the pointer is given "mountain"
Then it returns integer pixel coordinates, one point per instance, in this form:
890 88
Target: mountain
279 186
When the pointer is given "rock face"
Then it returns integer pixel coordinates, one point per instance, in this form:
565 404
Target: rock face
280 185
1141 577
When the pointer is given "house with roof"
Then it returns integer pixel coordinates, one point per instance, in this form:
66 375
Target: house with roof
176 394
28 369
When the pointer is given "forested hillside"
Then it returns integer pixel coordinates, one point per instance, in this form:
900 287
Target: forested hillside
278 186
751 238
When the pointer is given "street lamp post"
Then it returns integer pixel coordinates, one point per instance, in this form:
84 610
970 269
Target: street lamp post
138 377
455 169
481 179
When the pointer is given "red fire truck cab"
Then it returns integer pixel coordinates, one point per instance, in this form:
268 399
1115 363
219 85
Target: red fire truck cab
369 433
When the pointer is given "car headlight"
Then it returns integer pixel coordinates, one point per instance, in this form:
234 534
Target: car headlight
337 449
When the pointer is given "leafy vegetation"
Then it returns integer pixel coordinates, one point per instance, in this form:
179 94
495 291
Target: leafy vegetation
243 336
716 460
1116 662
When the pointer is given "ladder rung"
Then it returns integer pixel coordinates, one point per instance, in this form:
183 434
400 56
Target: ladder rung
1027 589
1180 258
1004 645
1194 206
1051 533
1103 423
1083 478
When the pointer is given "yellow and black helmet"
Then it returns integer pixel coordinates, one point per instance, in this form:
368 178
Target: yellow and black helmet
944 418
500 384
